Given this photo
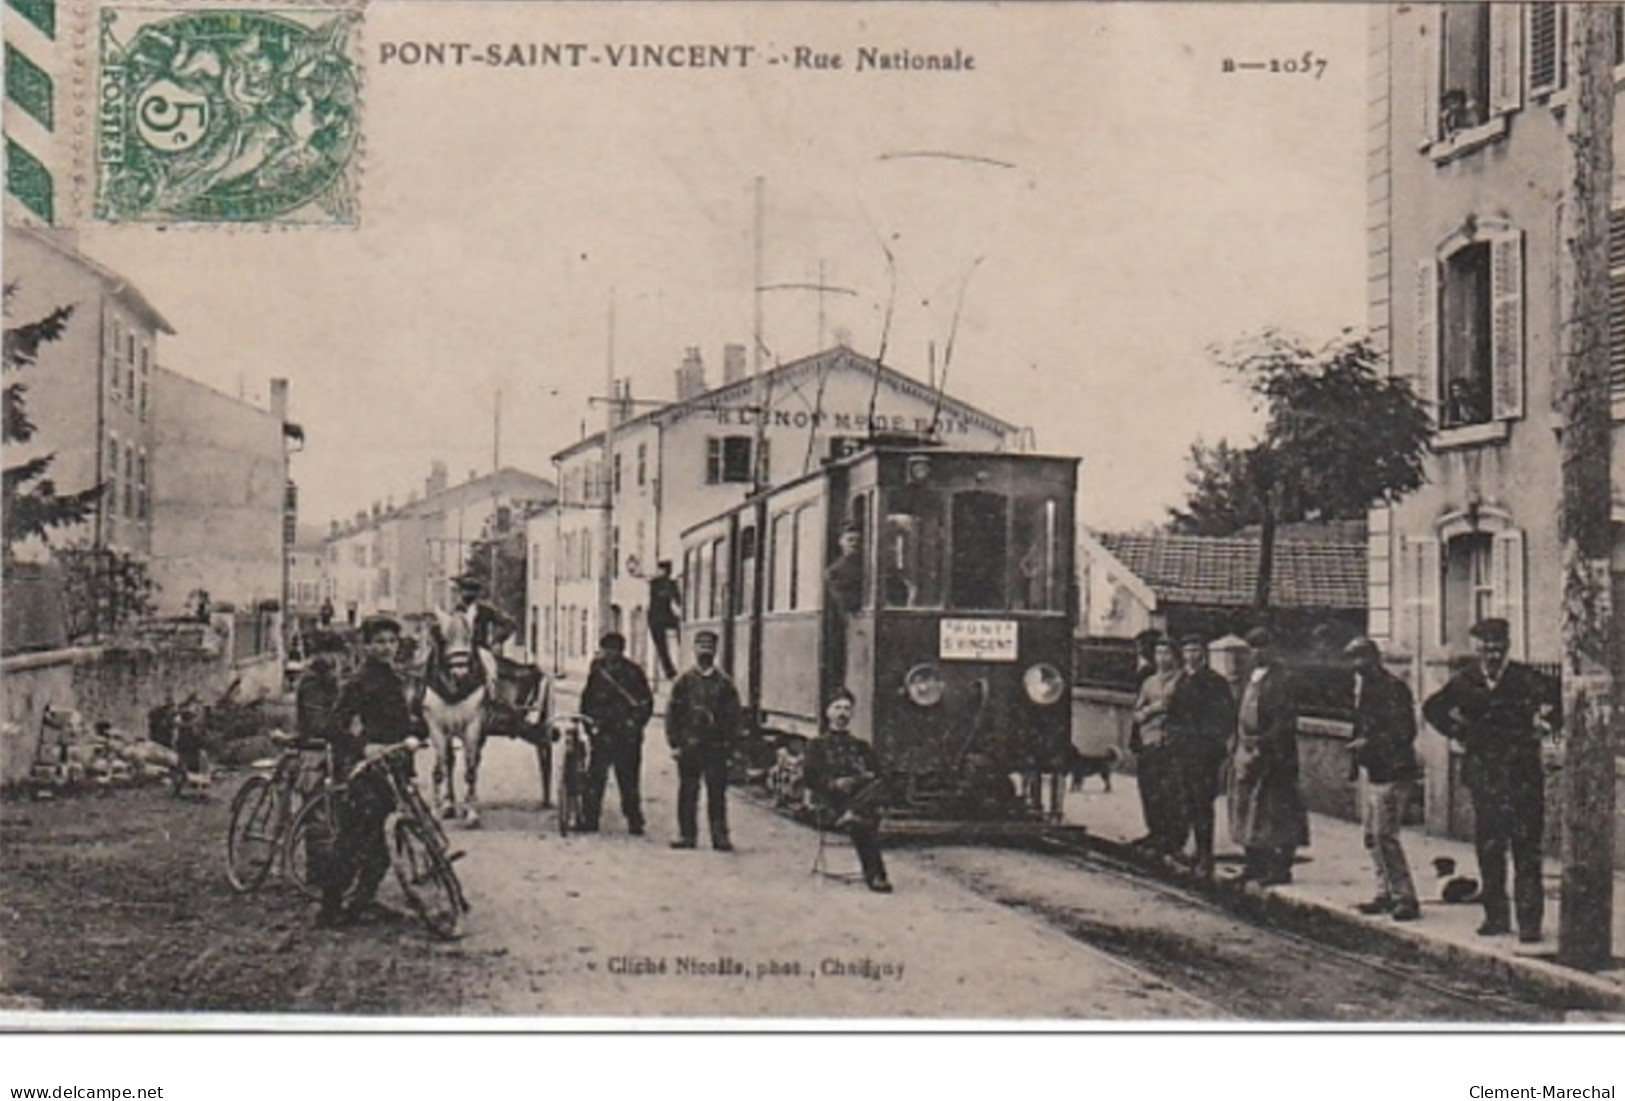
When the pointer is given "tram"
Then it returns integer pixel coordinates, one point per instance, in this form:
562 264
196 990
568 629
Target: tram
950 615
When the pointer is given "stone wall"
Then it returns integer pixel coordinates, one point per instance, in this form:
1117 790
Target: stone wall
113 684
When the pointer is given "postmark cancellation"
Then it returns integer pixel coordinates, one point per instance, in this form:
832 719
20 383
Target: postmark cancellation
227 114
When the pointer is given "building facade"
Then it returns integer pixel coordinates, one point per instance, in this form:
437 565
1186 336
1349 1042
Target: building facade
219 495
627 494
401 559
1466 148
92 393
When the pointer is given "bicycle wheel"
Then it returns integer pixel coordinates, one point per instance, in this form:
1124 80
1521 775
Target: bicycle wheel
257 818
310 842
427 879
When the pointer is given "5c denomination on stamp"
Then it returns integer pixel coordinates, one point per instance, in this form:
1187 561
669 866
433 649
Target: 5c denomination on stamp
227 116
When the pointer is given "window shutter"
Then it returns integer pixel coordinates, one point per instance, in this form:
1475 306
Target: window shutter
1430 56
1427 341
713 460
1422 568
1508 566
1506 294
1545 48
765 469
1506 58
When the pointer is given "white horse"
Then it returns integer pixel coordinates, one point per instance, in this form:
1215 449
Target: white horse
456 681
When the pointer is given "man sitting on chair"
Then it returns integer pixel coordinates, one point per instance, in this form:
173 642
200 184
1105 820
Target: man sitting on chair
843 774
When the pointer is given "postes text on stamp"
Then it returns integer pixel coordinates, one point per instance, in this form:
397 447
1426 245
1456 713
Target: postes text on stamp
227 116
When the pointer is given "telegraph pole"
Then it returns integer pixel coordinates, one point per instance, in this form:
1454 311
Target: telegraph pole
606 478
1590 632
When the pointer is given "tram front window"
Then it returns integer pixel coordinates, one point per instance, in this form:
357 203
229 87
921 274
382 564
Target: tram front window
1034 584
911 550
976 576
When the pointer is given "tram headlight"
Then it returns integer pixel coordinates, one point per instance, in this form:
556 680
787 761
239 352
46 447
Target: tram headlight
924 685
1043 683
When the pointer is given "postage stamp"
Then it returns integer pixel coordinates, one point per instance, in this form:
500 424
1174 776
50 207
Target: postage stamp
227 116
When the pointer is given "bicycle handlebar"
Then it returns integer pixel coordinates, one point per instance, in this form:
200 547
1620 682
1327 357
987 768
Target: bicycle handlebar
407 747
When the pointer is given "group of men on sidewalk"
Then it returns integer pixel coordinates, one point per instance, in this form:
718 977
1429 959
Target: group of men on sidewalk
1194 738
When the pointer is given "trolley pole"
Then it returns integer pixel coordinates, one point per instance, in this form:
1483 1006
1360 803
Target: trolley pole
1590 631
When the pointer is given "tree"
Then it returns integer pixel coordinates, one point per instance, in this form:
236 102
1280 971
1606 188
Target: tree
104 591
1339 437
499 562
31 505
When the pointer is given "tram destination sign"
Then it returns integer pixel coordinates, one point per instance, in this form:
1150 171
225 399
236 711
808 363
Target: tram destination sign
977 640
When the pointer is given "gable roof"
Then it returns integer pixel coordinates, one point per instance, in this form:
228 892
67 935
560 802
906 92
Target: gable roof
1196 569
788 373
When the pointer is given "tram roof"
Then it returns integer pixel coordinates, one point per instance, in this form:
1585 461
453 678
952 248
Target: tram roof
868 450
839 357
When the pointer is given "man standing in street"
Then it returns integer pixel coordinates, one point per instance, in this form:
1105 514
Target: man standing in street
664 601
1267 816
1384 746
1201 720
703 721
1496 709
373 701
618 701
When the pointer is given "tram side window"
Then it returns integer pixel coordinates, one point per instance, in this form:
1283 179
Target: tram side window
718 555
911 546
745 591
809 567
1035 585
778 593
707 602
976 574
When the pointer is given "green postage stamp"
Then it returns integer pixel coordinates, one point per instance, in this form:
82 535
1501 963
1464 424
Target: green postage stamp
230 115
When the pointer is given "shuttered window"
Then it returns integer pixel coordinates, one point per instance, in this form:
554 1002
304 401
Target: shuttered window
1545 48
1470 329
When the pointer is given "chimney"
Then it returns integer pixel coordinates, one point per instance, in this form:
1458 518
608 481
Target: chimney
332 529
691 375
437 480
279 399
377 509
733 363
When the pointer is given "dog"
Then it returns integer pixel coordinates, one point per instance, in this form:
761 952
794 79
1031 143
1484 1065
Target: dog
1079 766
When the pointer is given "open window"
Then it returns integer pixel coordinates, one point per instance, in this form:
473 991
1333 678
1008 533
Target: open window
1470 328
1472 74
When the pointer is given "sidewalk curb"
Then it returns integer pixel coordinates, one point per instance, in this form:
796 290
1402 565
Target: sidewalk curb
1284 906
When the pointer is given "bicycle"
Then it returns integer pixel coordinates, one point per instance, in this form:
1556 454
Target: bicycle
419 851
264 810
576 732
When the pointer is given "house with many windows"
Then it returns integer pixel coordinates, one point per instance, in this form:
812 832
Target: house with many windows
627 494
1465 148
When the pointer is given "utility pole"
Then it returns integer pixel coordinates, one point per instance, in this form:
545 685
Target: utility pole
1590 632
606 481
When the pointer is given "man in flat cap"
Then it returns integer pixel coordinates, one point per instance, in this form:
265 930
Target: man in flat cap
472 623
618 701
703 722
1267 815
1498 710
370 712
1384 746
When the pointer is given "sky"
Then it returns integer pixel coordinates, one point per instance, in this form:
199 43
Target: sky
1144 207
